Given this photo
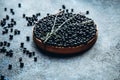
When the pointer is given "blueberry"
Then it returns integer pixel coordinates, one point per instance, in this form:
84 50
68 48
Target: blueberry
38 14
72 10
23 15
11 10
20 59
5 43
13 13
33 16
48 14
63 6
35 59
18 32
2 77
24 51
5 9
11 30
59 9
21 65
1 44
19 5
7 17
30 54
10 37
9 66
14 22
22 45
8 44
87 12
3 49
33 53
27 38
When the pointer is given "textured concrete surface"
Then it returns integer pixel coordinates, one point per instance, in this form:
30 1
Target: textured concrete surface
101 62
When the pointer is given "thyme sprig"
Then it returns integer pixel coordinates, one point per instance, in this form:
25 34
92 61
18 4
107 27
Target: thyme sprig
53 31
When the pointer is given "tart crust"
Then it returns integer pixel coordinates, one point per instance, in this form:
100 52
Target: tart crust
65 50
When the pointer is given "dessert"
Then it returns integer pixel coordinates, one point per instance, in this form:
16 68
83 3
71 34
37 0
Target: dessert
65 33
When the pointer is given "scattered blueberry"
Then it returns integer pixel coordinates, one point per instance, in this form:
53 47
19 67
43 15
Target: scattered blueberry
19 5
63 6
87 12
9 67
2 77
10 37
23 15
27 38
5 9
72 10
20 59
21 65
35 59
22 45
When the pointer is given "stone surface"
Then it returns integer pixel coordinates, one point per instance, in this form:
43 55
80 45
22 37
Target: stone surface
101 62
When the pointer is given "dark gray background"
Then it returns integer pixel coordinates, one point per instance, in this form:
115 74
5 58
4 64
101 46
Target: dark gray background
101 62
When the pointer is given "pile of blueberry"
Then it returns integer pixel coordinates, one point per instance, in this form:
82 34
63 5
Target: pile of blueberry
76 29
7 25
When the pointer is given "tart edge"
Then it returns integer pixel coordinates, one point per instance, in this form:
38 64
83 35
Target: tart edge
65 50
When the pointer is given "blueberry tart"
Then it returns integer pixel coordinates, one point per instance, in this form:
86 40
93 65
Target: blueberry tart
65 33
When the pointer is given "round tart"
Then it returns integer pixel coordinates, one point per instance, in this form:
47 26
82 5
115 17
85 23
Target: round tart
65 33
